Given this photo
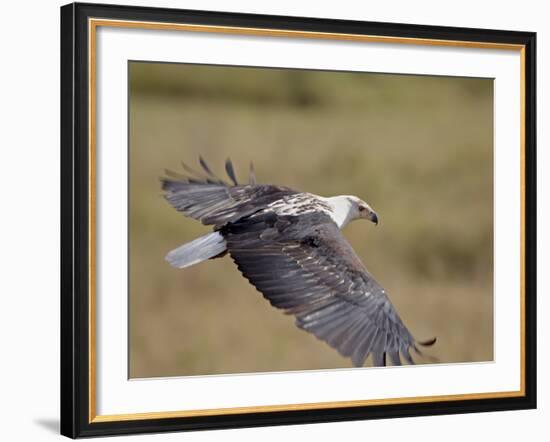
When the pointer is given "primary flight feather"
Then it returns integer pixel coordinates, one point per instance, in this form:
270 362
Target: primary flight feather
288 245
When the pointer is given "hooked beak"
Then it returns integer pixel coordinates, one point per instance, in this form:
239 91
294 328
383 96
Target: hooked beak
373 217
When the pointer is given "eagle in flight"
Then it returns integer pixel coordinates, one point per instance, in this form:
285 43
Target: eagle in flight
288 244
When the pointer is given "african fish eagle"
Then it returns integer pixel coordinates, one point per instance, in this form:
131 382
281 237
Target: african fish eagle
289 246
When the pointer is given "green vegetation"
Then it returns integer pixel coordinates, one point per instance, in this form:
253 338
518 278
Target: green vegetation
418 149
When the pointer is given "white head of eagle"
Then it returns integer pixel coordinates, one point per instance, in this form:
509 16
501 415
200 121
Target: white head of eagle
289 246
347 208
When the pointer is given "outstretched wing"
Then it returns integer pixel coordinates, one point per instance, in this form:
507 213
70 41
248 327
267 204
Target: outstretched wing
209 199
305 266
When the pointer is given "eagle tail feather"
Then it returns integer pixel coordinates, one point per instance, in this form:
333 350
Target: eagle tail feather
205 247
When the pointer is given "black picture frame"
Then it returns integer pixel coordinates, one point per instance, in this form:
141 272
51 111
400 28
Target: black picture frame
75 220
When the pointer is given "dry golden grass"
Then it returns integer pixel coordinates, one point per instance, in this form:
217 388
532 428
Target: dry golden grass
418 149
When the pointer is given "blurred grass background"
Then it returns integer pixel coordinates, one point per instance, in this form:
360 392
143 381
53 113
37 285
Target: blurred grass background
418 149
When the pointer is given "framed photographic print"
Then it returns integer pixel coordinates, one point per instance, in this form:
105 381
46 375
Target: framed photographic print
278 220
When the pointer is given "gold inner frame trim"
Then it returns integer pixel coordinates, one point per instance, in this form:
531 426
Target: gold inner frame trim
93 24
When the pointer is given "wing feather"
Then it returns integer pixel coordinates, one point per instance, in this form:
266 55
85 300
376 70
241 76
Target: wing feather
206 167
213 201
230 171
304 266
251 174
